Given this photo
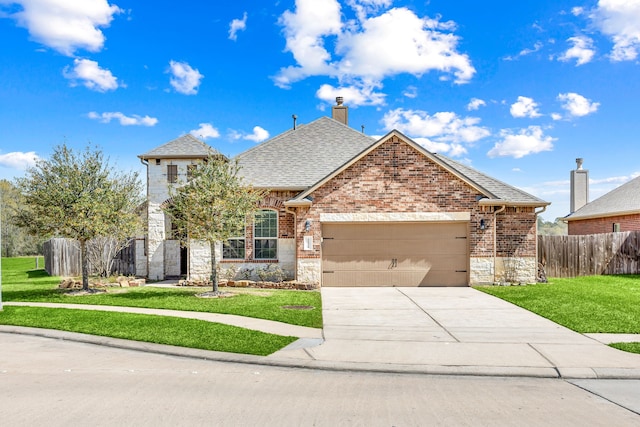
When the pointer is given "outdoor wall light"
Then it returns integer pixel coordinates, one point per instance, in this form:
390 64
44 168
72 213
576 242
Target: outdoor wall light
482 224
307 225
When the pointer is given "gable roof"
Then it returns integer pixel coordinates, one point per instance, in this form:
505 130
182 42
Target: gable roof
296 159
185 147
495 191
619 201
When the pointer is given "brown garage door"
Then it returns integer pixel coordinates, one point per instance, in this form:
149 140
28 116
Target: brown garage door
395 254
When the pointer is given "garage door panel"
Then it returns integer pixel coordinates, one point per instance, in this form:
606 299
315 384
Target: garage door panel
439 262
395 254
352 247
359 263
430 247
393 278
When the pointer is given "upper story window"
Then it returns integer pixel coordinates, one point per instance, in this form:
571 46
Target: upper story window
265 235
172 174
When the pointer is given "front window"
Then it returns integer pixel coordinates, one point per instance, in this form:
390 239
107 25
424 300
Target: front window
172 174
265 235
233 248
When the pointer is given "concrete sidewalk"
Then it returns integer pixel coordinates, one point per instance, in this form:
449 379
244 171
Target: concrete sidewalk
457 331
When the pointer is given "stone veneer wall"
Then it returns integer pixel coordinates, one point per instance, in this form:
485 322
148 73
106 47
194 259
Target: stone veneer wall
378 184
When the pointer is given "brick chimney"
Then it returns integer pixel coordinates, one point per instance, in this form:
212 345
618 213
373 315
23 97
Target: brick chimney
579 186
340 112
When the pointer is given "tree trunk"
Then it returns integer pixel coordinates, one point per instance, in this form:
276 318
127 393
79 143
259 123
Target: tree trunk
84 260
214 273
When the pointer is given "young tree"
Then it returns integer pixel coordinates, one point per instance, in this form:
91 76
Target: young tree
15 240
213 206
79 196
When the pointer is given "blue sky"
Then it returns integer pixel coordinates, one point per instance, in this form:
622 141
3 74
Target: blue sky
518 90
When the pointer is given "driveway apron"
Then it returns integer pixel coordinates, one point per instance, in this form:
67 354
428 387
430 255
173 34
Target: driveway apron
457 329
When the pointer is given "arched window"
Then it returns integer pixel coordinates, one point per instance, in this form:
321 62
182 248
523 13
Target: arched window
265 235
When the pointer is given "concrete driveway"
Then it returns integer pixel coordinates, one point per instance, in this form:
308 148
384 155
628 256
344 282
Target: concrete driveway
455 330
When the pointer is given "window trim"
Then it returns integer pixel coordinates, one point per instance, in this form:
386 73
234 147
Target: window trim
275 238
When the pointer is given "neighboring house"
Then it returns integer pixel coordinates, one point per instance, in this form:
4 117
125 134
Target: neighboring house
618 210
348 210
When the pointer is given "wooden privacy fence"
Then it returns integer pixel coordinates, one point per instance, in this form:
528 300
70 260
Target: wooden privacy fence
592 254
62 258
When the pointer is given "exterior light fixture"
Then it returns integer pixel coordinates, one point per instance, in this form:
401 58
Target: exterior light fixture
307 225
483 225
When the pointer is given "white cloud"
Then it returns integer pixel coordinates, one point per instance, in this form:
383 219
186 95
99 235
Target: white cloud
369 48
582 50
410 92
259 134
556 116
528 141
577 105
443 132
205 131
91 75
524 107
577 11
134 120
19 160
527 51
398 41
64 25
356 95
304 31
237 25
184 78
620 20
475 104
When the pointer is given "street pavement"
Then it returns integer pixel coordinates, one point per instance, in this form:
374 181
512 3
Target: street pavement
56 382
398 333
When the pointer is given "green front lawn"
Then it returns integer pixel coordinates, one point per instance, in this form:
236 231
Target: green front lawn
609 304
22 283
592 304
155 329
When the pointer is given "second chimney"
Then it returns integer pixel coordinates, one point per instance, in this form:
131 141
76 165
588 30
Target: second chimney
340 112
579 187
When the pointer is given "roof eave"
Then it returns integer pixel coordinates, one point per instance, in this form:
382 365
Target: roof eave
602 215
501 202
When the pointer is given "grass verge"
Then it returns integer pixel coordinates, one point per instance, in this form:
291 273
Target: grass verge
148 328
591 304
21 282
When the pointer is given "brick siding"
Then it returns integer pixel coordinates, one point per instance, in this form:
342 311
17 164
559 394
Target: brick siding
395 177
604 225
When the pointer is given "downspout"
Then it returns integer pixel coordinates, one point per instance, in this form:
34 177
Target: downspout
295 241
146 237
495 239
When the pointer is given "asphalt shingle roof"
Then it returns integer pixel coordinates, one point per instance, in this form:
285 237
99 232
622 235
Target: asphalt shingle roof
297 159
187 146
625 198
495 187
